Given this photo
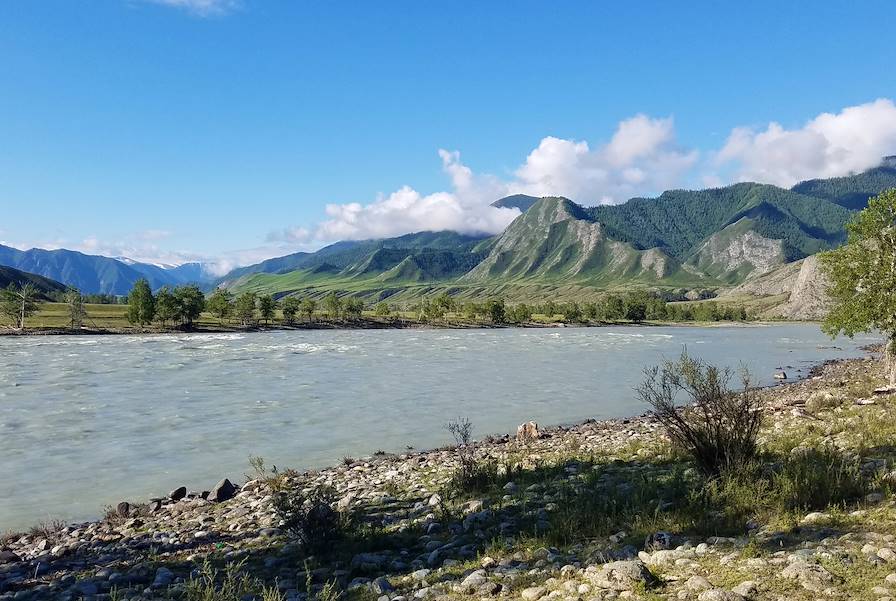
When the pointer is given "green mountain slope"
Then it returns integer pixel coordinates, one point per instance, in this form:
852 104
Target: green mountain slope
45 286
853 191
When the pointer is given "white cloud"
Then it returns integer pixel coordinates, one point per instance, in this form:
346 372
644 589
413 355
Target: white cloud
642 157
202 8
830 145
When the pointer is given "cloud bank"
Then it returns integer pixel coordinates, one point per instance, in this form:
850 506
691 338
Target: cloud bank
830 145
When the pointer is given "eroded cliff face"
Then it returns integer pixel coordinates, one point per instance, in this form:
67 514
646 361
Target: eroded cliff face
808 295
738 249
804 282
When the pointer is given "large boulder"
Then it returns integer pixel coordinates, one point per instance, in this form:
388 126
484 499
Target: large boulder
622 576
222 491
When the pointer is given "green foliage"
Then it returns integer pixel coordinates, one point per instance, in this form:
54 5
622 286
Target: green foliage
309 305
220 304
852 191
267 307
244 308
382 309
719 426
353 308
333 305
290 306
496 311
234 583
680 220
167 309
863 275
190 303
141 304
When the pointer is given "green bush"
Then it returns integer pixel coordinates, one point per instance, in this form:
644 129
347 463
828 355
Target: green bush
718 426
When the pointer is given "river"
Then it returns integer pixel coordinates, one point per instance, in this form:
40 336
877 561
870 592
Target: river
92 420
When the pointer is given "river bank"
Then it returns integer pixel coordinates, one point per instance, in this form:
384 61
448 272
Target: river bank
528 533
370 324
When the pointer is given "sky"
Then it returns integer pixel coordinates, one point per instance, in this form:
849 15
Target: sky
230 131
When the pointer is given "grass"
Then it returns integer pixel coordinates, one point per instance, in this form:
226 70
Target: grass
232 583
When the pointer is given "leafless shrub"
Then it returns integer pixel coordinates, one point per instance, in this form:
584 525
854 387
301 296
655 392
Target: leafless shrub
310 517
717 426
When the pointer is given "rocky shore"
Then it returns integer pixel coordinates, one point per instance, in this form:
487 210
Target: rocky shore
530 534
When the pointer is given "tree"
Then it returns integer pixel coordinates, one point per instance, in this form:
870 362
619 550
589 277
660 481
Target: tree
190 304
354 307
333 305
613 308
382 309
244 307
496 313
635 307
290 306
19 303
166 308
862 277
220 303
76 312
141 303
309 305
267 306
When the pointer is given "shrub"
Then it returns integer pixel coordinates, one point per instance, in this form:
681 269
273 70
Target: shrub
231 584
719 426
310 517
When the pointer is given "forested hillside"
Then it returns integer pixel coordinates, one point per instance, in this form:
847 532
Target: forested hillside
45 286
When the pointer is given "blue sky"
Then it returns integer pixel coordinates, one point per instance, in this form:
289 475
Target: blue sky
174 129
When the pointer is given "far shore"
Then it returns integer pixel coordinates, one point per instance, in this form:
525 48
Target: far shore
371 324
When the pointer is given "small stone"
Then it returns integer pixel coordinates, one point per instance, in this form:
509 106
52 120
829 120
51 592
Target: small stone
178 493
123 509
435 500
697 584
746 589
8 557
887 554
163 578
533 593
474 580
381 586
815 517
718 594
874 498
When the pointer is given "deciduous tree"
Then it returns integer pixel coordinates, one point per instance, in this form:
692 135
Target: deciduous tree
141 303
862 277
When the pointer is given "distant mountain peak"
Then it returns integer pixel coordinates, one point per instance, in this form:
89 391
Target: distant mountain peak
516 201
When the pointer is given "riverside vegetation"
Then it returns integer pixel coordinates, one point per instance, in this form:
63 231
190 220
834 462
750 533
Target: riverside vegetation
188 308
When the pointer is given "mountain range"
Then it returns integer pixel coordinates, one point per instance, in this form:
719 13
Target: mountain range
94 274
683 239
708 239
